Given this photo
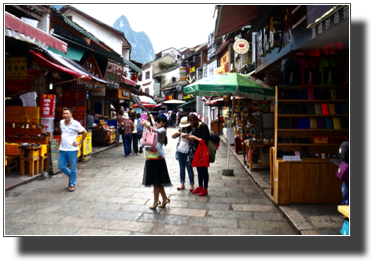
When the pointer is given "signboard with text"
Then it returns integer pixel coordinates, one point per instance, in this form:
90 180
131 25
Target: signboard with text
47 105
16 68
74 98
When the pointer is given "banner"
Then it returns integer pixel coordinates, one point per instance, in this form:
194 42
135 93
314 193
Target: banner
47 123
47 105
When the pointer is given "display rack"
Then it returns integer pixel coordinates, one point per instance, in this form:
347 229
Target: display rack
313 179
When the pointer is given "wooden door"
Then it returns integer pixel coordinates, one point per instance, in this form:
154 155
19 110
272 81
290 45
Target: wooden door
304 183
330 185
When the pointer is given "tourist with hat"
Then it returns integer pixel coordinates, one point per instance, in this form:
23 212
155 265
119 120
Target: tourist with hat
128 126
182 149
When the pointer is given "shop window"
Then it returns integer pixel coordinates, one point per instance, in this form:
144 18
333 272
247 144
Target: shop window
147 75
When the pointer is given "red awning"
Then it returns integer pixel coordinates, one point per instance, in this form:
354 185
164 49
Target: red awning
234 17
21 27
41 61
128 81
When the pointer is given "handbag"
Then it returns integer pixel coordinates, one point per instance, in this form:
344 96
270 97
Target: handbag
343 172
150 138
121 129
202 156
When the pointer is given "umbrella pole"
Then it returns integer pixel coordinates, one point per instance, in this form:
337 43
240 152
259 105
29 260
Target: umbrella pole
229 172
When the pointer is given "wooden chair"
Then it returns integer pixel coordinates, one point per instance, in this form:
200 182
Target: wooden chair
12 162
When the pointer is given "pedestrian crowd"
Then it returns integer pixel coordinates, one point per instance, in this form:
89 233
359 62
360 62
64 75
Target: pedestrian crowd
194 149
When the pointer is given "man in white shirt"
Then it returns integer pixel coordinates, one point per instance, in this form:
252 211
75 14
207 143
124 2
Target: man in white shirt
69 146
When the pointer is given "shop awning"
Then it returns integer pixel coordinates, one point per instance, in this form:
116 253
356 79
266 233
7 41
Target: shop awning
14 23
136 99
73 53
42 61
187 103
72 65
234 17
132 65
15 35
128 81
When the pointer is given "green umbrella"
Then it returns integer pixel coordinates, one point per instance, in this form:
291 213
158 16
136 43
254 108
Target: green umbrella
231 84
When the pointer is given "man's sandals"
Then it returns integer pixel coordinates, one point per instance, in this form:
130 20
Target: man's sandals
72 188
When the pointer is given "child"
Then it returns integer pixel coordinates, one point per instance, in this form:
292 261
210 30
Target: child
182 150
155 171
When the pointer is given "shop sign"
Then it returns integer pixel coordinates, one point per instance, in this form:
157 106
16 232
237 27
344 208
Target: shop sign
211 68
156 89
113 74
73 97
330 22
241 46
220 70
20 85
211 46
192 69
47 105
47 123
16 68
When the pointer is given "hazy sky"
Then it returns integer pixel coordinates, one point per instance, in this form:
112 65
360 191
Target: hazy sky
167 25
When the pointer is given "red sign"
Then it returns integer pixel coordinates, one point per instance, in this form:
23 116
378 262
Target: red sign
21 85
74 98
47 105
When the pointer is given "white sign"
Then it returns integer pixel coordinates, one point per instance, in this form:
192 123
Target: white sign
241 46
47 124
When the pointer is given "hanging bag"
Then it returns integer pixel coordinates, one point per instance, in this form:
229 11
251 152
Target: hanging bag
121 129
343 151
201 156
150 138
343 172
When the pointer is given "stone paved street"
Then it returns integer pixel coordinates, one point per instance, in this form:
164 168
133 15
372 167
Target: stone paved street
110 200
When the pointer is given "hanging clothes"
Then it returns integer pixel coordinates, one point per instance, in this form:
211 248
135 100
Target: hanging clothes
29 99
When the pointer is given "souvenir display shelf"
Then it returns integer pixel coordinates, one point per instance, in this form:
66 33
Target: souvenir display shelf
313 179
249 130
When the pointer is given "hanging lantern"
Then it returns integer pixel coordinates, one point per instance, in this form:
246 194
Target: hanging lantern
226 99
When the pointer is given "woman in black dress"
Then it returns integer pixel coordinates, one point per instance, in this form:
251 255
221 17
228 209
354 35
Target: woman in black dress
155 171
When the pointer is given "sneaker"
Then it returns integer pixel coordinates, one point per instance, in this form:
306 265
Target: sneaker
137 153
197 190
203 192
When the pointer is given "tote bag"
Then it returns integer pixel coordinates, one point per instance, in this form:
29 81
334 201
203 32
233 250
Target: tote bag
201 156
150 138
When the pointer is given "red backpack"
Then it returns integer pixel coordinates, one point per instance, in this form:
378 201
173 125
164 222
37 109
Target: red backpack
308 71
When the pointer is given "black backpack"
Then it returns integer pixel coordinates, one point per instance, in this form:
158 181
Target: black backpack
343 151
289 74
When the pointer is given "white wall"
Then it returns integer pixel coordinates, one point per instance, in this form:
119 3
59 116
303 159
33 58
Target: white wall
44 23
108 37
172 52
145 81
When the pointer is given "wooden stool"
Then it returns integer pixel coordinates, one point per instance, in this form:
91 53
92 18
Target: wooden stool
31 155
12 162
43 163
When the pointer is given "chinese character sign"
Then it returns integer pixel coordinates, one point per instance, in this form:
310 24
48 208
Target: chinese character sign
16 68
47 105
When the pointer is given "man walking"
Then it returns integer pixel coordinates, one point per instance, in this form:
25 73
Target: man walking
89 122
69 146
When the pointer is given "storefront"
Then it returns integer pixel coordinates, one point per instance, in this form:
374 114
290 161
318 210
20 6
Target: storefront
309 67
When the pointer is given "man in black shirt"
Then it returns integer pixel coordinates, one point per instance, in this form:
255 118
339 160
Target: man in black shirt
173 119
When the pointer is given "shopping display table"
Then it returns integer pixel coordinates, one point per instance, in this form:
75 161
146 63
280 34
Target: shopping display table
249 145
32 157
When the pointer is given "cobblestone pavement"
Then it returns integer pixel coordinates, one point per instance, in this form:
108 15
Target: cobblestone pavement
110 200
